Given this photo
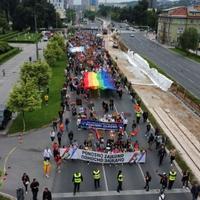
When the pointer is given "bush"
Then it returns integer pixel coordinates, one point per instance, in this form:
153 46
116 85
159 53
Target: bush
4 47
9 54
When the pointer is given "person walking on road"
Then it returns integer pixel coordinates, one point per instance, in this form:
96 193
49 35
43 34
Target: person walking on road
172 156
52 135
34 188
161 153
46 194
96 176
145 116
77 179
120 179
195 190
70 136
172 178
47 153
59 137
163 181
185 178
26 181
147 180
66 124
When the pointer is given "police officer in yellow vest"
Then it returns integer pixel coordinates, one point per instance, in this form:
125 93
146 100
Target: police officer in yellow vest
120 179
77 179
138 116
172 178
96 176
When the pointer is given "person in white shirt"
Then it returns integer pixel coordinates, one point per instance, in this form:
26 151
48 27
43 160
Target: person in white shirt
47 153
52 135
125 122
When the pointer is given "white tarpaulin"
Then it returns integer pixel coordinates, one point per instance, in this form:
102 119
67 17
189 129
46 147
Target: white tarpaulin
77 49
158 79
99 157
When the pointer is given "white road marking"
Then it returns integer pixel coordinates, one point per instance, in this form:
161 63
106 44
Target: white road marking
143 176
105 178
115 193
6 159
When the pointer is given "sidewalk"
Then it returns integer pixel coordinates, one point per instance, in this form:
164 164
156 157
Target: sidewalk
173 116
12 68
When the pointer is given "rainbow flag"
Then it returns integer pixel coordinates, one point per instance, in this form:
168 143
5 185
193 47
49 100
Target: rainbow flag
101 80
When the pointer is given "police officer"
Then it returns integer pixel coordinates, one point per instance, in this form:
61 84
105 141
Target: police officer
77 179
138 116
172 178
120 179
96 176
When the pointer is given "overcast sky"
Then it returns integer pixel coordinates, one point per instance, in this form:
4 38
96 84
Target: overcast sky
109 1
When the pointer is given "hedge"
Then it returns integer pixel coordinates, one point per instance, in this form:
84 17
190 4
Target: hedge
9 54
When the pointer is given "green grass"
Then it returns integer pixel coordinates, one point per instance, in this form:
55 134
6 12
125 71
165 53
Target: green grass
46 114
186 54
26 38
8 55
3 198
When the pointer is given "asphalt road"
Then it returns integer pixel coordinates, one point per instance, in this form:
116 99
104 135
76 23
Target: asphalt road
133 181
12 68
186 72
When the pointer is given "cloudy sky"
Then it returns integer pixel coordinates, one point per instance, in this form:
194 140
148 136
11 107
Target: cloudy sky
109 1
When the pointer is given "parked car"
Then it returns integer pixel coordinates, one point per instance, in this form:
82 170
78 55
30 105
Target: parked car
5 116
45 38
132 35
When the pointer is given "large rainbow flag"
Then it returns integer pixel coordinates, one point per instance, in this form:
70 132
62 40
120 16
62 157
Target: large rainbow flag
100 80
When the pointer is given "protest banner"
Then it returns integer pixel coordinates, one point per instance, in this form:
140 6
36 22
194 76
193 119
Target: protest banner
85 123
106 158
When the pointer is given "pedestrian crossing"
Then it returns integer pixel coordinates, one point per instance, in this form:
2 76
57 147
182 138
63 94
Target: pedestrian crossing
115 193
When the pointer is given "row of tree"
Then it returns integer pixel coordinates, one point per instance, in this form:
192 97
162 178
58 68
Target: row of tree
27 94
138 14
22 13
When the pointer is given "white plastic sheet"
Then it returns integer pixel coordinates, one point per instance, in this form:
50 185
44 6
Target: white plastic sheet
158 79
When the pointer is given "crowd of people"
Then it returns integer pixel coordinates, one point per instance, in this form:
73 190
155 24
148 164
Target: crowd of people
77 100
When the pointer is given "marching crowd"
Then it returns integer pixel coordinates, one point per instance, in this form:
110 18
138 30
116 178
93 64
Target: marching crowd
95 59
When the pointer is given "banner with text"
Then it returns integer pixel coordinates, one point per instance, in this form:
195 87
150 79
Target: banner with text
106 158
85 123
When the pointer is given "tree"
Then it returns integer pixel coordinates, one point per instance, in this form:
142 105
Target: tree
25 97
53 52
3 23
59 39
44 11
38 71
70 15
189 39
90 15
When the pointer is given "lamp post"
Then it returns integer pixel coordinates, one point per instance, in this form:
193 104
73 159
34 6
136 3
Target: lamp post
36 31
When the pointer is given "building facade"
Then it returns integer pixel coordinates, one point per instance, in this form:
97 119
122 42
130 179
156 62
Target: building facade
172 23
68 4
59 5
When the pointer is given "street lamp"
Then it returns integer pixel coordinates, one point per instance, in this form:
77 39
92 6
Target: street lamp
36 31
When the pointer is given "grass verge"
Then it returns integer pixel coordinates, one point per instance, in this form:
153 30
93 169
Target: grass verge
46 114
3 198
186 54
26 38
8 55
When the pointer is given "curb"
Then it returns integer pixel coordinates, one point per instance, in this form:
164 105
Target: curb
8 196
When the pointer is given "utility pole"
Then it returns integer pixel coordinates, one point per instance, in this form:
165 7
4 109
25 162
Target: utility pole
36 31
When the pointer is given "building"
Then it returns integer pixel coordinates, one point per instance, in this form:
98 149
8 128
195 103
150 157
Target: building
59 5
172 23
68 4
85 4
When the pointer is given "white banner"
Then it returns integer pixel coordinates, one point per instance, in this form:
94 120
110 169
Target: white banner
107 158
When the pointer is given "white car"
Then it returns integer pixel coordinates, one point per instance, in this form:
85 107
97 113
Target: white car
45 38
132 35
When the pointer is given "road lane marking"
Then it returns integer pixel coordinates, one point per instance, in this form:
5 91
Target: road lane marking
6 158
115 193
105 179
143 176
